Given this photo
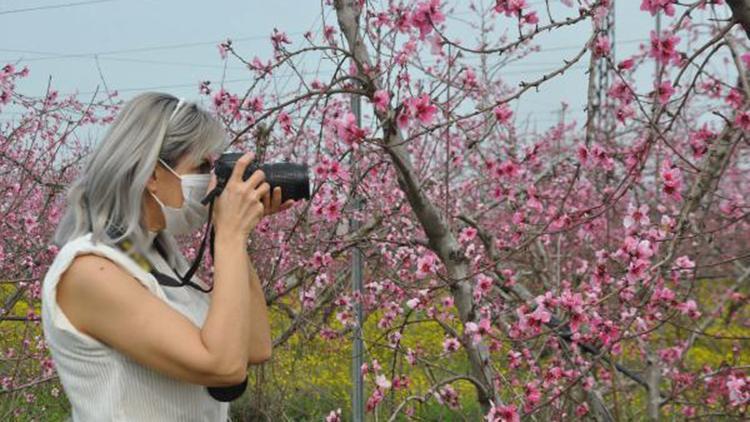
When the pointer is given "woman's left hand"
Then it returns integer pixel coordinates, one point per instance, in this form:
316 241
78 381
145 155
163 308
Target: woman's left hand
272 202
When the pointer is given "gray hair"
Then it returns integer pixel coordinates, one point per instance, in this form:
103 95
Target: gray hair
116 172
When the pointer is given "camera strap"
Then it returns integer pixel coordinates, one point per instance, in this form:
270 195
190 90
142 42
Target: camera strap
126 245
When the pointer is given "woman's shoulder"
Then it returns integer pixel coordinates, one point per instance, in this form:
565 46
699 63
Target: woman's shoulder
84 252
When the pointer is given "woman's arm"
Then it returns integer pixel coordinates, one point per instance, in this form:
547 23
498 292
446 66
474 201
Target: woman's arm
259 342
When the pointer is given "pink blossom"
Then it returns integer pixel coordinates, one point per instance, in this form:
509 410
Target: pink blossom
663 294
621 91
422 108
383 382
484 283
689 308
533 395
334 416
436 44
672 179
425 15
530 18
426 264
712 88
581 410
328 33
503 413
637 216
623 113
503 113
637 270
278 38
307 297
745 59
510 7
684 263
540 314
332 210
602 46
375 398
259 67
285 121
403 120
223 48
699 141
663 48
448 396
743 120
469 78
583 154
626 64
451 344
735 98
739 390
653 6
348 130
467 235
664 92
380 100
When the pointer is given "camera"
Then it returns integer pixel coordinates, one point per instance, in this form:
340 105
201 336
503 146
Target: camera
291 177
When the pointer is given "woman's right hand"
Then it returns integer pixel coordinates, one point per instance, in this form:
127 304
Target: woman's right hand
239 208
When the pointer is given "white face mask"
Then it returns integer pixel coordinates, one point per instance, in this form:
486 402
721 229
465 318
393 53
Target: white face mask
192 215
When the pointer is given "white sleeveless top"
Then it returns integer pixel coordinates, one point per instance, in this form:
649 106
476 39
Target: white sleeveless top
101 383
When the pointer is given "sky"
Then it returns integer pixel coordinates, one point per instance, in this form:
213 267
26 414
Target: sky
170 45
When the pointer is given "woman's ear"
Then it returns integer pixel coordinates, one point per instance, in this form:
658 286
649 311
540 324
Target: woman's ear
151 182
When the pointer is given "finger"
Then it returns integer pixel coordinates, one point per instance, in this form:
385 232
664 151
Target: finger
240 166
256 179
267 202
263 190
288 204
276 198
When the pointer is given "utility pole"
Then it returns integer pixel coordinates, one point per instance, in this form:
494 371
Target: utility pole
358 409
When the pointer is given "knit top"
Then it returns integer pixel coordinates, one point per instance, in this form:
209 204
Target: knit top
103 384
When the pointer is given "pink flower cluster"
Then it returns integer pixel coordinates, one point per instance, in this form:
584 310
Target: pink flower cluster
348 131
664 91
501 413
515 8
420 108
279 38
664 48
623 93
380 100
503 113
602 46
654 6
477 331
224 48
425 15
329 169
426 265
671 177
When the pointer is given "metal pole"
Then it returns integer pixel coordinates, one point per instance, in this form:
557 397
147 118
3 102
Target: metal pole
358 409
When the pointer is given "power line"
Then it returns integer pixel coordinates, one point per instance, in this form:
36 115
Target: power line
54 6
286 76
134 50
136 60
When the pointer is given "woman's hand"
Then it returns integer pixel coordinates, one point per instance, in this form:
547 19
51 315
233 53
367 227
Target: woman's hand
274 205
240 207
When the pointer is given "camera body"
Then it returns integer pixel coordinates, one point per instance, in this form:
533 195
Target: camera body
291 177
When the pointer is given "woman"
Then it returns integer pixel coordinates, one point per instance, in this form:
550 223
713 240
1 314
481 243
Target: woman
128 353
